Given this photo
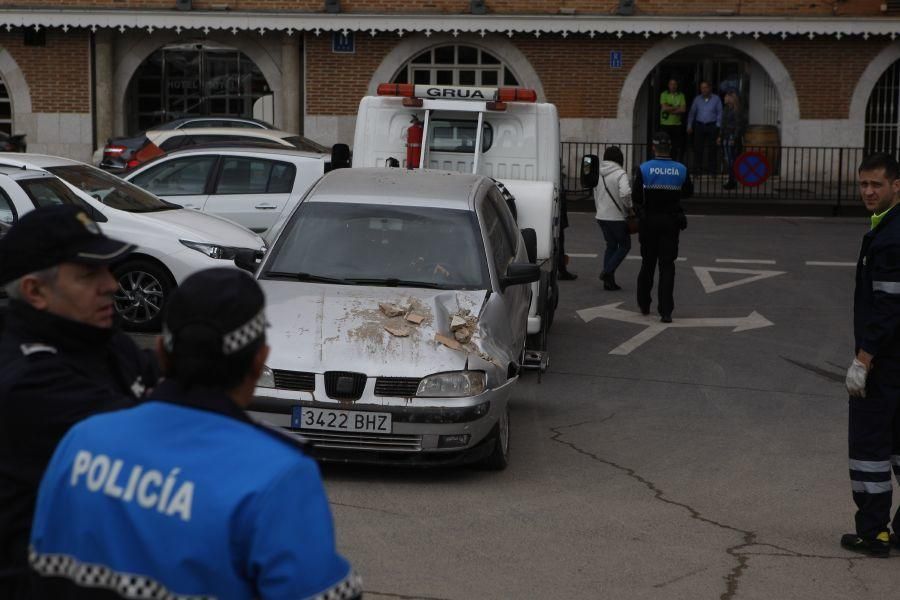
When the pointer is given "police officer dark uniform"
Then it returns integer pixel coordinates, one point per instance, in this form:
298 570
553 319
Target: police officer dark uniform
659 186
184 496
61 359
873 379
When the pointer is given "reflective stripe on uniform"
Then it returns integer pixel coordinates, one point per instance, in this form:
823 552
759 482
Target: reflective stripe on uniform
871 487
871 466
888 287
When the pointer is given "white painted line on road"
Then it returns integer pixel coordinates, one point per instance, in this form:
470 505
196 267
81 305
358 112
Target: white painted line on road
573 255
745 261
633 257
710 286
825 263
653 327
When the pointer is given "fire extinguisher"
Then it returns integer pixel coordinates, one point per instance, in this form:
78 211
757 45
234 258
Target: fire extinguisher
414 143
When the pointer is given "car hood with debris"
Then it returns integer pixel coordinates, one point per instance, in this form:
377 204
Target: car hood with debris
379 331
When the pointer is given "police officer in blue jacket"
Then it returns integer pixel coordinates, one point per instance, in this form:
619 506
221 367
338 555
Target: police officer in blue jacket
873 379
61 359
184 496
659 186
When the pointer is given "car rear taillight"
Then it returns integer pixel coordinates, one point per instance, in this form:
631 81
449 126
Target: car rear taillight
147 152
112 150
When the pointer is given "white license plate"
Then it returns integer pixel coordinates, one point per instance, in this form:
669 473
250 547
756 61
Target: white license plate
326 419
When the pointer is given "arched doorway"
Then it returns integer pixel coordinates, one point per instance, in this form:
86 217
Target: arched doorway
882 128
724 68
194 79
456 64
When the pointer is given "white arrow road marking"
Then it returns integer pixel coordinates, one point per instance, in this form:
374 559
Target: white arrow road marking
710 286
638 257
746 261
653 327
825 263
576 255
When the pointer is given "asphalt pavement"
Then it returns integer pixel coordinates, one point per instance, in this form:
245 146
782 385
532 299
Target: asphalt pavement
702 460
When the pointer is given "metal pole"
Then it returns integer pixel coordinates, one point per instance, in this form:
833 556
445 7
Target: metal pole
423 155
840 195
478 143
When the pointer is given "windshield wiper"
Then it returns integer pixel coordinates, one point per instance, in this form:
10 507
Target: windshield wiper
394 282
304 277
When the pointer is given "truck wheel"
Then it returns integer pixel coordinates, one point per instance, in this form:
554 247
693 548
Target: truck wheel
498 459
143 290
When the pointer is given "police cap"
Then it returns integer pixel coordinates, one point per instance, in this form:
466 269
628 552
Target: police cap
50 235
217 312
661 138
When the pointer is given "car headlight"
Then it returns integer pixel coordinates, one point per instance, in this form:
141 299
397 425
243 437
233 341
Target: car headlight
211 250
455 384
266 379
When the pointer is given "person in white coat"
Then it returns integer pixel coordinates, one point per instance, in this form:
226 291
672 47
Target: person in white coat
613 200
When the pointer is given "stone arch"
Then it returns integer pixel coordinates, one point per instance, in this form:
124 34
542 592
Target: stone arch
133 56
498 46
774 68
867 81
19 93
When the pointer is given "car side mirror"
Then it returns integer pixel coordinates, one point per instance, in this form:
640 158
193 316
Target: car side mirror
529 236
340 156
590 171
248 259
520 274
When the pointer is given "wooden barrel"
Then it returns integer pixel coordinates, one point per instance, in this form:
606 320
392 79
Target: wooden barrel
765 139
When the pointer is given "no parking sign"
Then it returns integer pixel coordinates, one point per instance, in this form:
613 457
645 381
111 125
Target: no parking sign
752 169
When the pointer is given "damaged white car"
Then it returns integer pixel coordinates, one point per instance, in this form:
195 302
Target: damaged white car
398 308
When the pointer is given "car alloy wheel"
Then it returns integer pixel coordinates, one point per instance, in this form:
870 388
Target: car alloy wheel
498 459
143 289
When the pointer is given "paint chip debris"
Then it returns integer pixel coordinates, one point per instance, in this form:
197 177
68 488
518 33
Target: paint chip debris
391 310
448 342
397 331
415 318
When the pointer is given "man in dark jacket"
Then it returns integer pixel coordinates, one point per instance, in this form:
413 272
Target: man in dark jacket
61 359
873 379
184 496
659 186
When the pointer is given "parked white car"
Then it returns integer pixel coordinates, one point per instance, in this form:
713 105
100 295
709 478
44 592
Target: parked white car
172 242
250 186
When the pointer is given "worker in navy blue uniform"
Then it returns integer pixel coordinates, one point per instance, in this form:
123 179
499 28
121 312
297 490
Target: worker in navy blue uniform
185 496
659 186
61 359
873 379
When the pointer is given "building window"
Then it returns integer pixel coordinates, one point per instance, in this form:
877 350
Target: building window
883 113
456 65
185 80
5 110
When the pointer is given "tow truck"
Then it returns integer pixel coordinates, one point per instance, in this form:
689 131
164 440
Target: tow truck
503 133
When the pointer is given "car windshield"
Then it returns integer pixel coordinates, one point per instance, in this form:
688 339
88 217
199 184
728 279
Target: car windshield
110 190
365 244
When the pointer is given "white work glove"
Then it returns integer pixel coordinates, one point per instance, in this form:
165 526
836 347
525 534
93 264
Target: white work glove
856 379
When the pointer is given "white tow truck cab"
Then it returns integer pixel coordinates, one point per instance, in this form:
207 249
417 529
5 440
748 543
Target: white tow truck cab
503 133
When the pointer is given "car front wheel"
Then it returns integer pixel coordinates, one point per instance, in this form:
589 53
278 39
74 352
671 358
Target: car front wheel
143 290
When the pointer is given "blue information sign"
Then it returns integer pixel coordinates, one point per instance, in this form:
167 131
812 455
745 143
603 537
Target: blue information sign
615 59
343 42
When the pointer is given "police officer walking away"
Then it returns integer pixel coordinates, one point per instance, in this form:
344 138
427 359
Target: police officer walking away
184 496
61 359
873 379
659 186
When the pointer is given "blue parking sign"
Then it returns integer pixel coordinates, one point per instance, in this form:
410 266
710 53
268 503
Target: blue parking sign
343 42
615 59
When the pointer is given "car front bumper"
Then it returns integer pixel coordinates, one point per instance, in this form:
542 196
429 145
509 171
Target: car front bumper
423 430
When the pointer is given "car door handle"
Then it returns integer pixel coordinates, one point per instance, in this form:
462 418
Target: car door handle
266 206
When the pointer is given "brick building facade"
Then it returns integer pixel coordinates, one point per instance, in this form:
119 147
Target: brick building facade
76 72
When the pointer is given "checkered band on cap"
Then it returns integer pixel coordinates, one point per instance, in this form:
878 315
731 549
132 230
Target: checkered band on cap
126 585
244 335
347 589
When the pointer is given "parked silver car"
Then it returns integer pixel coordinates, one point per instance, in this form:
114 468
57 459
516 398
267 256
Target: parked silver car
398 311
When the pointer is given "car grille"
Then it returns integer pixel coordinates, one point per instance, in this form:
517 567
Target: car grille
364 441
295 380
342 385
397 386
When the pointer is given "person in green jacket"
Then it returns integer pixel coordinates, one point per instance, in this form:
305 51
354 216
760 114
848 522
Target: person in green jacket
672 106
